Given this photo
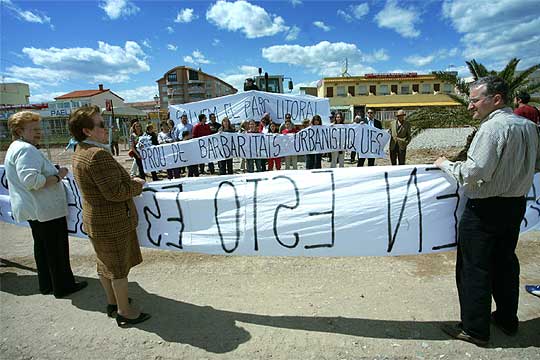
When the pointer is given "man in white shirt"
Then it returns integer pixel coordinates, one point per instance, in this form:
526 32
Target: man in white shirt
179 128
496 177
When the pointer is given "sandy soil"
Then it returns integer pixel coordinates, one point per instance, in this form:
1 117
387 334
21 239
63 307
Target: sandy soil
211 307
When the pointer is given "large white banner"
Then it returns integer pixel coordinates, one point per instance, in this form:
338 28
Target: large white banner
328 212
252 105
367 141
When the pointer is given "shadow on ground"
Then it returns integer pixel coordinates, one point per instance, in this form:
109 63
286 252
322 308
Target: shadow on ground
217 331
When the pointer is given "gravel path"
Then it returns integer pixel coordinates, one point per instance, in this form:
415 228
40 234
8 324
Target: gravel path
441 138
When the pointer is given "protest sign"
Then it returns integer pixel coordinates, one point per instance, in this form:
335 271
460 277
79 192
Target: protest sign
327 212
367 141
252 105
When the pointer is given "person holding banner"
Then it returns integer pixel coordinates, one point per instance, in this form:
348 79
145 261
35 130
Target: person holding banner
37 195
357 120
274 129
164 137
179 129
109 214
251 163
369 121
214 128
496 177
291 162
338 156
226 166
313 161
202 129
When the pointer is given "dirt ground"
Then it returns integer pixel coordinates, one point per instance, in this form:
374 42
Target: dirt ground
221 307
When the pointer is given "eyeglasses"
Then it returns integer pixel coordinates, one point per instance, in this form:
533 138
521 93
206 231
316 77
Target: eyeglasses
475 101
370 112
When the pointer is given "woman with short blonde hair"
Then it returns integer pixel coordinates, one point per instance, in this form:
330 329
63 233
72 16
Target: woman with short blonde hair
37 195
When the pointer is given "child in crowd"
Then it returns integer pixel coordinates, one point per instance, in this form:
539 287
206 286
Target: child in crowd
274 129
192 169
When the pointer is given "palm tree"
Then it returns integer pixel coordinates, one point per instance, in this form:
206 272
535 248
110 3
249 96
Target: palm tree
516 82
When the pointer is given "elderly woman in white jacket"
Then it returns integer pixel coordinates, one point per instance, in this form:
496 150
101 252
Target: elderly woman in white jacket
37 195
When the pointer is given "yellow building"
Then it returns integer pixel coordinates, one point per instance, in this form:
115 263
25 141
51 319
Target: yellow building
385 93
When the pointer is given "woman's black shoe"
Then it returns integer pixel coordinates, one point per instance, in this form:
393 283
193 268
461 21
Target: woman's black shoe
113 308
124 322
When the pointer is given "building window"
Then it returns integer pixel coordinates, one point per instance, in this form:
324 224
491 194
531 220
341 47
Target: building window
362 90
405 89
447 88
426 88
384 90
415 87
393 89
373 89
341 91
436 87
351 90
329 91
171 77
193 75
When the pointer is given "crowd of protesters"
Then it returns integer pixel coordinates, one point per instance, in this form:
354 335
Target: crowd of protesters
171 132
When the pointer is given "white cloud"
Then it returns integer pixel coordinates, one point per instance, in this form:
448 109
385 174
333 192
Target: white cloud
146 43
296 89
141 93
296 2
243 16
324 58
345 15
172 47
420 61
321 25
45 97
196 58
35 16
497 31
170 30
359 11
293 33
118 8
107 63
237 76
402 20
185 16
216 42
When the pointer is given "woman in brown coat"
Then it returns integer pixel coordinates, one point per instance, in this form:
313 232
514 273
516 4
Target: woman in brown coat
109 214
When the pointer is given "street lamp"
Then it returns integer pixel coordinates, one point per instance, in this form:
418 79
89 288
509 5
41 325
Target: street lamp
156 100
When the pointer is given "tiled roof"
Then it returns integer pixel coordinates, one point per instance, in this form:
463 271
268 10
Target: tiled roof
80 94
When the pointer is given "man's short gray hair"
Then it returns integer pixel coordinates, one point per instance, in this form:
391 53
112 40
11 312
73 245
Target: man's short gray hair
494 85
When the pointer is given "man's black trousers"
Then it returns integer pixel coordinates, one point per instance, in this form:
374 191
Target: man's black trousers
487 264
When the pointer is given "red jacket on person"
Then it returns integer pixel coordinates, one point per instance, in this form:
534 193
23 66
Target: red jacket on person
529 112
200 130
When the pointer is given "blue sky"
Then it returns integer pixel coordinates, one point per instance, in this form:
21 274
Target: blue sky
62 46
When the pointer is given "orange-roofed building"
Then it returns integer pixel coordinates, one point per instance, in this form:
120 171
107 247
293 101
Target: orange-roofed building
97 97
